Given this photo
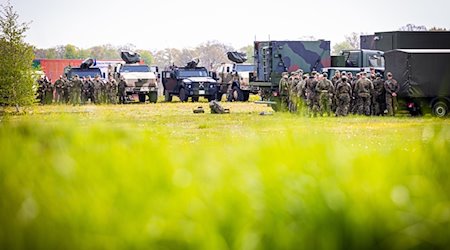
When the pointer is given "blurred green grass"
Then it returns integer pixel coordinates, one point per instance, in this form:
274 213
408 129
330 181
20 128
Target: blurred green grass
160 177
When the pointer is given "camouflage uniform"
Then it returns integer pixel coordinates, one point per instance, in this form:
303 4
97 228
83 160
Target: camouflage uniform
85 92
293 97
121 91
97 91
355 97
363 88
111 89
48 87
325 90
283 86
343 97
311 95
378 96
59 90
76 90
392 88
66 90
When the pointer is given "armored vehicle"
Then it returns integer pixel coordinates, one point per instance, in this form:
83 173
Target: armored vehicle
234 78
140 79
189 81
87 68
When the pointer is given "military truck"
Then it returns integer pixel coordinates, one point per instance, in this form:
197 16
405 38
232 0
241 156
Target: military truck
140 79
189 81
386 41
424 79
236 90
356 61
86 69
272 58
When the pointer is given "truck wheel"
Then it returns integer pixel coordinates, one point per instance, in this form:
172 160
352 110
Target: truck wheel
195 99
440 109
211 98
153 97
183 95
246 96
167 96
237 94
142 97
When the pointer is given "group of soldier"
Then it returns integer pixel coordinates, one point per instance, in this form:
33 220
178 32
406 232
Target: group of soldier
314 94
83 90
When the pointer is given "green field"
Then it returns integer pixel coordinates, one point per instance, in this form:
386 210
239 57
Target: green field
160 177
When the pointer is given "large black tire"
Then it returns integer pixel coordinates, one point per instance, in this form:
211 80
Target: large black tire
211 98
183 95
246 96
167 96
142 97
153 97
440 109
219 96
237 94
195 99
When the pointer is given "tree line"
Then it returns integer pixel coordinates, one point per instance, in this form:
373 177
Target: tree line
210 53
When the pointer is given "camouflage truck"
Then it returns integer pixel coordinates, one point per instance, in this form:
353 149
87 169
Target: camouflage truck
272 58
355 61
236 90
190 81
141 79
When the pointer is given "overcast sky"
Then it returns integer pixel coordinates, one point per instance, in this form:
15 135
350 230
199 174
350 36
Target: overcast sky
177 23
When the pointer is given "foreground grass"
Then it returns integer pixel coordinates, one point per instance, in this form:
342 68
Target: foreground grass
160 177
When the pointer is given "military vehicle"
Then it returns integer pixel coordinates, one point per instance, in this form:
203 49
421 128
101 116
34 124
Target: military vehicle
272 58
141 79
189 81
86 69
356 61
424 79
236 89
386 41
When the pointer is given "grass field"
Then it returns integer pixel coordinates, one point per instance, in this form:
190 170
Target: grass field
160 177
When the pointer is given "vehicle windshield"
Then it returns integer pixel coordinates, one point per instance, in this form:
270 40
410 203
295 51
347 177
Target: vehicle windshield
376 61
135 68
245 68
85 73
192 73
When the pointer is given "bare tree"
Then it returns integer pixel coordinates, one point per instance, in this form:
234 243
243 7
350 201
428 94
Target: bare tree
413 27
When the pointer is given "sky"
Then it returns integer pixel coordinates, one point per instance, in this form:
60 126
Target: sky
155 25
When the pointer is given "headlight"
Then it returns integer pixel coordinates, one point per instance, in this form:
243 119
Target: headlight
189 86
211 86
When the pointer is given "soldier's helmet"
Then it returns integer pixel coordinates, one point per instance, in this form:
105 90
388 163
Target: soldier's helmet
344 78
313 73
378 75
285 74
325 75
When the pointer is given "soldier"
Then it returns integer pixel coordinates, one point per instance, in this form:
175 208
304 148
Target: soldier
363 88
97 89
65 90
59 90
235 79
354 100
324 89
103 94
92 91
343 95
336 78
378 97
392 88
40 90
293 100
283 86
121 90
112 90
85 88
48 87
311 96
76 90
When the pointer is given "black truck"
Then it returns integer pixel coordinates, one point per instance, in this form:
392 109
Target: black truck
190 81
391 40
424 79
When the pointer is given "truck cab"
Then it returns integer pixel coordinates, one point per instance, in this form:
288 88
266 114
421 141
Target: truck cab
186 82
140 79
236 90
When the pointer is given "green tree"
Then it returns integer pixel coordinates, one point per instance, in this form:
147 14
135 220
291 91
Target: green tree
147 56
71 52
16 70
